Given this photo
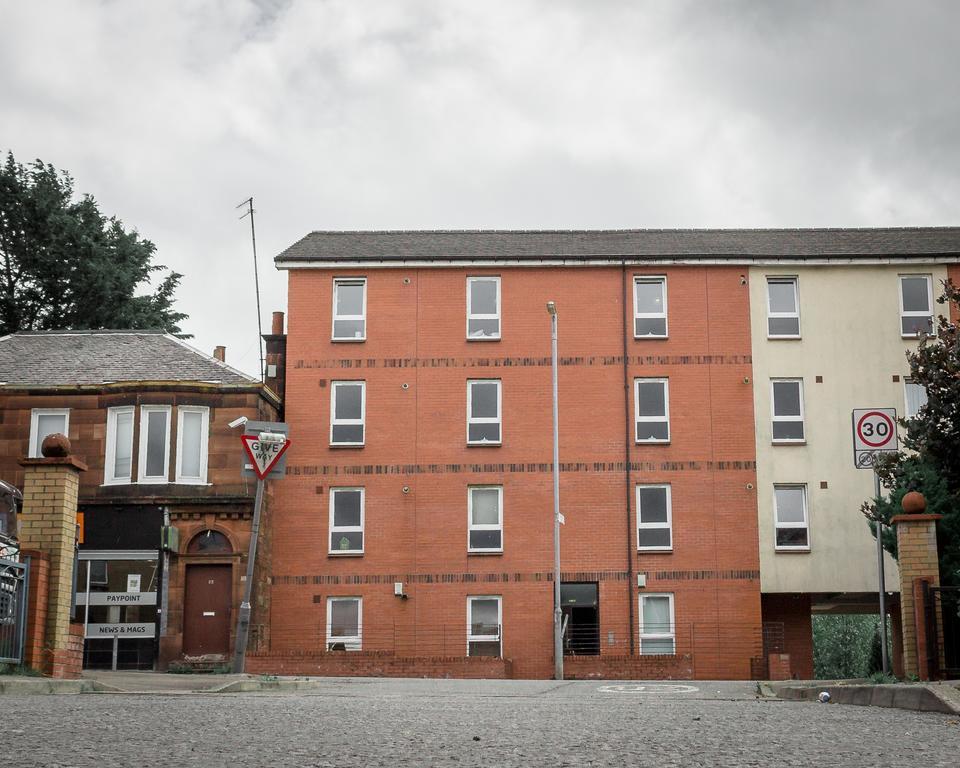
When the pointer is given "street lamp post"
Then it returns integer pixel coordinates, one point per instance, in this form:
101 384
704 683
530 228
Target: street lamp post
557 631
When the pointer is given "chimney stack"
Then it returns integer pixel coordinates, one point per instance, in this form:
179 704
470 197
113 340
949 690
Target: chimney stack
220 353
276 374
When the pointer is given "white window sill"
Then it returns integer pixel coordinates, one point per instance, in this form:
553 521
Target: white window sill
486 444
783 338
348 341
652 442
485 551
792 550
665 550
650 338
347 445
346 553
483 338
788 442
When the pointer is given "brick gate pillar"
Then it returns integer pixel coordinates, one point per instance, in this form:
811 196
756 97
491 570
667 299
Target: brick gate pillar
49 525
917 552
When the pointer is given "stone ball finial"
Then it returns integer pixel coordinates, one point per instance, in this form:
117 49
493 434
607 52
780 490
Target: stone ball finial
55 446
914 503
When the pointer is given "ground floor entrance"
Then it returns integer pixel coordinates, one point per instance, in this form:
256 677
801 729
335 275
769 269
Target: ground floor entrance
206 610
580 604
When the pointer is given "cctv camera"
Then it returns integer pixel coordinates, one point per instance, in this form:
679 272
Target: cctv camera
239 422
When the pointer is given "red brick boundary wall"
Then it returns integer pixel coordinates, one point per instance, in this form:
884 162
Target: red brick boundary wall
350 664
628 667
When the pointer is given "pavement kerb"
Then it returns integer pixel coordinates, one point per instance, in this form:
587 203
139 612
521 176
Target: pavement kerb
31 686
917 697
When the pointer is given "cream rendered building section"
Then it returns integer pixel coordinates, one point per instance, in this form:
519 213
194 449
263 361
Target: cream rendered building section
851 337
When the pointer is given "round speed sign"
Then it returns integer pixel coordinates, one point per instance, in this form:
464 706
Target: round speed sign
875 430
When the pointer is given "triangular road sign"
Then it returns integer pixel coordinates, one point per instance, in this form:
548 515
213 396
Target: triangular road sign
263 455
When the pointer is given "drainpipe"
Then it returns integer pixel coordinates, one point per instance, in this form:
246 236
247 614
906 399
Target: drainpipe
627 442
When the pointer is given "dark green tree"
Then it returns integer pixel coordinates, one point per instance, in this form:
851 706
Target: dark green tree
64 265
929 462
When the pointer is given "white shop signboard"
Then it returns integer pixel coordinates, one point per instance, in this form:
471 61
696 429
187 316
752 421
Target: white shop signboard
117 598
121 630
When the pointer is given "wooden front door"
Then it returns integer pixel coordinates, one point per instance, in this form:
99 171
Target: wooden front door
206 610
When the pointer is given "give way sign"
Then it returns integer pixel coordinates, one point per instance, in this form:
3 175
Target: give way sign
874 431
264 453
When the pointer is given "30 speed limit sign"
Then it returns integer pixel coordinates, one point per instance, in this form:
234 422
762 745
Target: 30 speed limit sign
874 431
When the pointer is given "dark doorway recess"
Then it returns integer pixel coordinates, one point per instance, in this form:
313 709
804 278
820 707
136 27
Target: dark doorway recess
206 610
580 604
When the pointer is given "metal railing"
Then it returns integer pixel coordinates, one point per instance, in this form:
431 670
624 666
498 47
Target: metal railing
14 586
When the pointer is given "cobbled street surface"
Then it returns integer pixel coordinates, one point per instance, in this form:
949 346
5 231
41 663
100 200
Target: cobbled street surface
367 722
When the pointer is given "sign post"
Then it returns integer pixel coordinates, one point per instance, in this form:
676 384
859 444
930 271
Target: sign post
264 449
875 431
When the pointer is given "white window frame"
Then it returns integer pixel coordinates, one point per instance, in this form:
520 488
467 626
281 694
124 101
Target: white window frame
637 418
498 638
777 525
773 413
484 419
337 282
671 635
479 316
668 525
907 383
347 528
637 315
145 410
913 313
484 527
204 412
771 315
362 421
350 642
110 454
33 449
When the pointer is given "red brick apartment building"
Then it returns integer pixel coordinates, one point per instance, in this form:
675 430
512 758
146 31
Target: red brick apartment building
413 531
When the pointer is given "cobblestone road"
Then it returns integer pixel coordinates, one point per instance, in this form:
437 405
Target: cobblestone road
464 723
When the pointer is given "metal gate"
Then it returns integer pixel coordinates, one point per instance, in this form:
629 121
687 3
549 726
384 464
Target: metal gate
14 585
942 612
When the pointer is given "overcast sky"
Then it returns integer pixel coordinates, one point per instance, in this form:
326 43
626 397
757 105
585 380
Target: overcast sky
486 114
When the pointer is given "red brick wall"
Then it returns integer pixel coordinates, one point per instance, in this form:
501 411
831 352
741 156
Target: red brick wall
793 610
415 437
36 609
347 664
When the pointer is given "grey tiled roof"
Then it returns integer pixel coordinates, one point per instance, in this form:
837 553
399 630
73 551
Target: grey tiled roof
57 358
477 245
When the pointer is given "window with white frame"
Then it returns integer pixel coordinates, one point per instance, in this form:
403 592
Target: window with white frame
483 412
347 409
153 464
485 518
657 628
916 305
783 308
344 623
790 517
346 521
44 422
349 309
652 408
483 308
650 307
484 623
193 431
914 398
654 518
118 457
786 408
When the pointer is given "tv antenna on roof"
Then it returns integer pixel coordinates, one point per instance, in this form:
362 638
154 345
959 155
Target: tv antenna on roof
256 277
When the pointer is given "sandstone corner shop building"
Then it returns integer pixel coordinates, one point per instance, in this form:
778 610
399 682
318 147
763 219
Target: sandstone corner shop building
707 483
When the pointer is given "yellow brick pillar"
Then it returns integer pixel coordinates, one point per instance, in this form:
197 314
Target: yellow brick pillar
917 552
49 524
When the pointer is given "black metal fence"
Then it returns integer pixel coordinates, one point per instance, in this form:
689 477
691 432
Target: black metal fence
14 585
942 610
